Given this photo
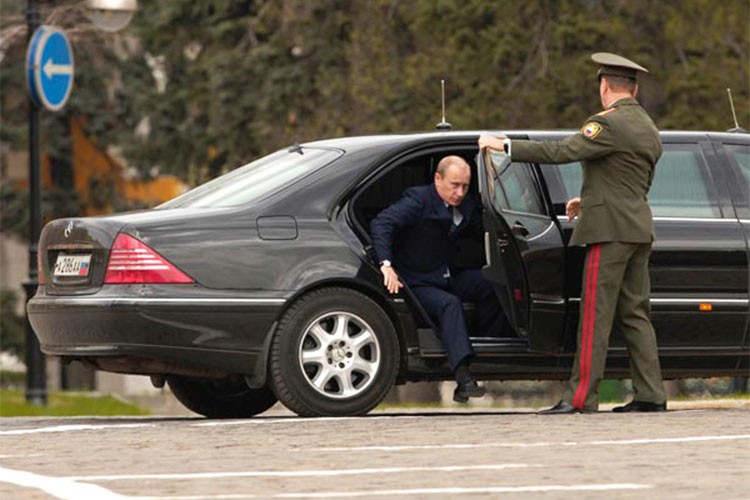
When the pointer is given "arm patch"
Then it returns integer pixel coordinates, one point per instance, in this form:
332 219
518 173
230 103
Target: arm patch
590 130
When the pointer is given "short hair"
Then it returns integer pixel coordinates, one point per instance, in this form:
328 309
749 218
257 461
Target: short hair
620 83
448 161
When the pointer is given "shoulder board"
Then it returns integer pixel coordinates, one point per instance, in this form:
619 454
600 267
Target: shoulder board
606 112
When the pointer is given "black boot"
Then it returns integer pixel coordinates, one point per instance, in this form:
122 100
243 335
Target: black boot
466 386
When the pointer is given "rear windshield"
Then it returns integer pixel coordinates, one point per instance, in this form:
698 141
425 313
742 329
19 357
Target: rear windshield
255 180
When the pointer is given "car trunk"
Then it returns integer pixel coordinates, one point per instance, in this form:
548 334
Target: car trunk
74 252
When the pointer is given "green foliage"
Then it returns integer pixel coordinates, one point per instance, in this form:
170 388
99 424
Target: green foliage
57 202
196 87
12 325
13 404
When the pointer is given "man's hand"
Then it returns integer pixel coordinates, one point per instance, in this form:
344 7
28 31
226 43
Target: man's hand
492 142
390 279
573 208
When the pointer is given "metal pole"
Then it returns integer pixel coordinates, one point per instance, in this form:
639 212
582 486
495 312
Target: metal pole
36 380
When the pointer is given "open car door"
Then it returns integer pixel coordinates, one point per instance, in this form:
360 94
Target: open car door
524 250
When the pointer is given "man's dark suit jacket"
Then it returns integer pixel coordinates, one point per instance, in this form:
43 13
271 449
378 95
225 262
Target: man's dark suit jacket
416 235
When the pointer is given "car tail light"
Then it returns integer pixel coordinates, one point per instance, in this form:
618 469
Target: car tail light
132 261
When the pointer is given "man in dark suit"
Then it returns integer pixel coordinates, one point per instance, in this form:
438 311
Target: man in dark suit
415 241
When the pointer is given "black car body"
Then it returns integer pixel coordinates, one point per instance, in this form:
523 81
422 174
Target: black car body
261 284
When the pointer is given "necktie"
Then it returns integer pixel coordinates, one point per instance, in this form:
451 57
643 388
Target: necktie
457 216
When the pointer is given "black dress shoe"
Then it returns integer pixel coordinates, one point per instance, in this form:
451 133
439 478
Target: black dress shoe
468 389
640 406
561 408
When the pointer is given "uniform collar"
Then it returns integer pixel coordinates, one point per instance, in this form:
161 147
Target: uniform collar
625 101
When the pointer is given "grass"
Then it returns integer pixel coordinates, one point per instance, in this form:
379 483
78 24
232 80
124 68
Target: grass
65 404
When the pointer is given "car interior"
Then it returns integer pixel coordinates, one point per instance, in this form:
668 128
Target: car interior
386 188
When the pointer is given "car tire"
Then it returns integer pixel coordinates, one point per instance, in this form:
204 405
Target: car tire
224 398
335 353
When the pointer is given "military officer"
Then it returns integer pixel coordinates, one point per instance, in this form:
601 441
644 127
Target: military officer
619 148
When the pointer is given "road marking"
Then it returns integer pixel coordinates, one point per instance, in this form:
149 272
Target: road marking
422 491
675 440
301 473
296 420
687 439
56 486
71 428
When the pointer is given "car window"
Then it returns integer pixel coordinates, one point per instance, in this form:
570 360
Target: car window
255 180
741 155
682 186
572 177
512 186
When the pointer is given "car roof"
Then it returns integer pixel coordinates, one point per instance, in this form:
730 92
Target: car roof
368 141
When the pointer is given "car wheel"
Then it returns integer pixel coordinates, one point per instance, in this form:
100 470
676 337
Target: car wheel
335 353
220 398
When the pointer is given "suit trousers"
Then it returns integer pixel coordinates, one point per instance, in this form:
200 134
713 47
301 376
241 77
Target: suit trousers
615 292
443 305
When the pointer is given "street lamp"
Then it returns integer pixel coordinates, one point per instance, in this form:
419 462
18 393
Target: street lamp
108 15
111 15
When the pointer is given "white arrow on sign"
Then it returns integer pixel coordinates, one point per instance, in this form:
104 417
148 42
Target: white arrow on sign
51 69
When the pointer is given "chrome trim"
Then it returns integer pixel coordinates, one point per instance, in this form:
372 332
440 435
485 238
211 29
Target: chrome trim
564 218
153 300
737 302
729 302
547 230
487 255
696 219
547 299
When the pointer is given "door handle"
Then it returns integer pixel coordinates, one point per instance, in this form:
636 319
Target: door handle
519 229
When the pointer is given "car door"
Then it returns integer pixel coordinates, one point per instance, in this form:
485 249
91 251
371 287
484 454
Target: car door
699 259
524 250
698 265
733 151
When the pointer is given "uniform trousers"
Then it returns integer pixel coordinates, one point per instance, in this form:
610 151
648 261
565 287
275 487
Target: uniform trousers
615 293
444 306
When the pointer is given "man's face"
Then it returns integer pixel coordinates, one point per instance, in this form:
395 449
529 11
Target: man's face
454 184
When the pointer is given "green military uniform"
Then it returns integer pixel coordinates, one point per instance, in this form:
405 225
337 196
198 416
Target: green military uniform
619 148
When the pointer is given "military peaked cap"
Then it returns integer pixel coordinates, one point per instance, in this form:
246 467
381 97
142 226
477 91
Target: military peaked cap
612 64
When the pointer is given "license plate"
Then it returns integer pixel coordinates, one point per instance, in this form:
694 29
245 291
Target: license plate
72 265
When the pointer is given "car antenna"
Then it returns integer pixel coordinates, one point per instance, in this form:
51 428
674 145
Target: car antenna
737 127
443 125
296 147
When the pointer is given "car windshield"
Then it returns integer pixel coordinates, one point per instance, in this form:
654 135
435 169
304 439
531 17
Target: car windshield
255 180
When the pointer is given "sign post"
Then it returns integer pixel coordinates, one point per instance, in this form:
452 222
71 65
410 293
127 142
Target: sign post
49 75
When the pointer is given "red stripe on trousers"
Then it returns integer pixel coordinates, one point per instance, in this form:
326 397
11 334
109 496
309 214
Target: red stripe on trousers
587 329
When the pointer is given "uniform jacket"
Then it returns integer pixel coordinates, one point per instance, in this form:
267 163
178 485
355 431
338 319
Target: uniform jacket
618 148
416 234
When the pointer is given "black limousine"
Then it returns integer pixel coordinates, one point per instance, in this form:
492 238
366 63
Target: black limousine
260 285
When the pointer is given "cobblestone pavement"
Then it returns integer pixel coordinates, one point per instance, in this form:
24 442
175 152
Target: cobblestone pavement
692 452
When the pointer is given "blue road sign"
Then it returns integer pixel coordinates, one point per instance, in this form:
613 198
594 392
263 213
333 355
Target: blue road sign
49 68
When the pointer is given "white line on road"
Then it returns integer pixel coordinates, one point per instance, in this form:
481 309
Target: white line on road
71 428
305 420
300 473
421 491
686 439
57 486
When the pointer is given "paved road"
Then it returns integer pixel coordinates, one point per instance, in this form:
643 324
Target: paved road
689 453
